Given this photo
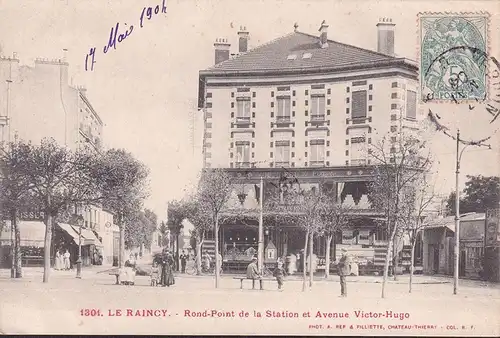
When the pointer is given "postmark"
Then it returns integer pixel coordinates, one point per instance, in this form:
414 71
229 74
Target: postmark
453 62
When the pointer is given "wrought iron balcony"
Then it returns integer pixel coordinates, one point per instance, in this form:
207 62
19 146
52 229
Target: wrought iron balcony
243 164
279 164
283 119
317 117
359 120
317 163
242 119
358 162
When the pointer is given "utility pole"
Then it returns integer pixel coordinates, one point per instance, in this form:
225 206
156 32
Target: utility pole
457 218
261 229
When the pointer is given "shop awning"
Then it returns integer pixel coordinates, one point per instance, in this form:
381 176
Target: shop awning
88 236
32 233
69 230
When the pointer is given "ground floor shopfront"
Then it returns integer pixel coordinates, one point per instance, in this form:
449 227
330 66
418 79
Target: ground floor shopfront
65 238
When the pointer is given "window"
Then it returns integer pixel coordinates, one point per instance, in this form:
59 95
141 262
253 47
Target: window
411 104
329 91
254 94
393 139
320 86
394 129
209 95
394 106
282 153
394 95
393 150
348 90
370 97
243 110
370 87
307 92
283 112
394 117
318 107
317 151
394 85
359 104
243 152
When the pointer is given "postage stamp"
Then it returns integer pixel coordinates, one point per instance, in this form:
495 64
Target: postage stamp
453 56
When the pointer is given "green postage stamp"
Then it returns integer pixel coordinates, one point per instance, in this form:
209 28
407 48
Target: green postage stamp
453 56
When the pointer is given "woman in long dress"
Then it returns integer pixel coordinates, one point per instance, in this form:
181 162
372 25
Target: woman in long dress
58 260
167 274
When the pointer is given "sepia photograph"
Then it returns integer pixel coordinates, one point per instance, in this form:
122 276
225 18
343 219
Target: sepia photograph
239 167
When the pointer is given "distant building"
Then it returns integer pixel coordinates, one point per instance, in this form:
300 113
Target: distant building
39 103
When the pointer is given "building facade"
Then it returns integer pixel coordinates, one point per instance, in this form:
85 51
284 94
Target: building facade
309 107
37 103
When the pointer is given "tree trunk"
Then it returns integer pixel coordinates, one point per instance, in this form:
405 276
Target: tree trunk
394 259
387 258
327 254
47 246
303 262
199 243
217 263
311 270
121 257
17 244
412 264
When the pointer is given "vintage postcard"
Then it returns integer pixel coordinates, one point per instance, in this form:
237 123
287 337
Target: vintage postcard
238 167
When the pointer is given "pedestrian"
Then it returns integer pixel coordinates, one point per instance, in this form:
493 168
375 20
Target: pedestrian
253 273
344 270
66 260
58 260
155 274
183 258
206 261
219 259
167 265
279 273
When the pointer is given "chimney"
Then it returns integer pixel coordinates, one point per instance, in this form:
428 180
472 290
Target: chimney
221 50
243 37
385 32
323 37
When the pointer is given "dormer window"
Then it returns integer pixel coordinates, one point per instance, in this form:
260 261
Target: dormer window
306 55
292 57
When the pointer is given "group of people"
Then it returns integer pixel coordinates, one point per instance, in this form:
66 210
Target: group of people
343 270
63 261
162 272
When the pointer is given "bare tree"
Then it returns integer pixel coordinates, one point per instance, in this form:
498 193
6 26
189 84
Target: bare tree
399 164
335 217
414 215
302 208
214 190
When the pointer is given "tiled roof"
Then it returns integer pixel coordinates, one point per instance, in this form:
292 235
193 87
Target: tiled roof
287 53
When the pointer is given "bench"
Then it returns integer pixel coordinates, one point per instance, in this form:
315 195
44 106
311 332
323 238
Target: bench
116 273
261 280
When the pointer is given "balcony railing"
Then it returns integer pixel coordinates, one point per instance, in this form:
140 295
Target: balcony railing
283 119
358 162
279 164
317 163
242 119
317 117
359 120
243 164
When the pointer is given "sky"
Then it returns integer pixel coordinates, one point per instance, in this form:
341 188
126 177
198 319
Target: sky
146 89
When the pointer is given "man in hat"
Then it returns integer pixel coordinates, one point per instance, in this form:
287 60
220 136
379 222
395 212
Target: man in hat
344 269
253 273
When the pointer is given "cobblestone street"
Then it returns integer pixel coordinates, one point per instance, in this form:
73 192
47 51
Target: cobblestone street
193 305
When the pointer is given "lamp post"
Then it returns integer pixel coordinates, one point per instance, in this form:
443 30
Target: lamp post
79 222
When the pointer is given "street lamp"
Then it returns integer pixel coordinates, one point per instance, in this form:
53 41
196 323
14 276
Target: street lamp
79 221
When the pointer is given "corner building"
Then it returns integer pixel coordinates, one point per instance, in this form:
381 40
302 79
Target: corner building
308 106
